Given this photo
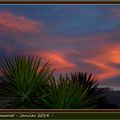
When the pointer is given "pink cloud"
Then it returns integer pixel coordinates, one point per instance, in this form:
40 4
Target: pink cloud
55 58
21 24
104 52
105 62
106 70
113 54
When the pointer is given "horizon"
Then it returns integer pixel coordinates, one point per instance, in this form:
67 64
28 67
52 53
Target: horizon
74 38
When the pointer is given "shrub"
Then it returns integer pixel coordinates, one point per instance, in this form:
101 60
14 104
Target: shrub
24 78
79 90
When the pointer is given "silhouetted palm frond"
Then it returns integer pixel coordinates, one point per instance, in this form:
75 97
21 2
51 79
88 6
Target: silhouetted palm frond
23 79
79 90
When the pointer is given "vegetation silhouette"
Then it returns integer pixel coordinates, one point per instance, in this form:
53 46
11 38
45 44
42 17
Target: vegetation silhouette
29 84
23 81
77 91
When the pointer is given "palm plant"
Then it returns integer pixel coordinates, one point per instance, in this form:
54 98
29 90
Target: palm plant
90 81
23 81
76 91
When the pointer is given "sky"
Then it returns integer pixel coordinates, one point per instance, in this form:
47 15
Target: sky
73 38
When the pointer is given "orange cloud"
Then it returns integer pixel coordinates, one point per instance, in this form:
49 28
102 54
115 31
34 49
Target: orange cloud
105 61
113 54
57 59
10 22
107 70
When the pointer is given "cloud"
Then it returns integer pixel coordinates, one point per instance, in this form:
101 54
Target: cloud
55 58
106 61
114 54
98 50
106 70
18 31
97 53
20 24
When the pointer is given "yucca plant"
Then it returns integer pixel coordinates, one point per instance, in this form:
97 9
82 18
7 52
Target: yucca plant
90 81
76 91
23 82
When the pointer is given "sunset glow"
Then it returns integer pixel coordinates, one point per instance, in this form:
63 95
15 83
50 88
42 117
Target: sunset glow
72 38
